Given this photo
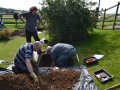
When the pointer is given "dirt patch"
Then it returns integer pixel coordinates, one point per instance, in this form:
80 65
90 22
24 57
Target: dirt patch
45 61
63 80
19 33
56 80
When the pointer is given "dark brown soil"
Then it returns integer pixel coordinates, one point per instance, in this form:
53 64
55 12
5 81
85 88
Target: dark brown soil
45 61
56 80
63 80
19 33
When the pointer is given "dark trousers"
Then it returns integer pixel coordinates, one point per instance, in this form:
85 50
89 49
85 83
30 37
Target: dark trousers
30 34
22 68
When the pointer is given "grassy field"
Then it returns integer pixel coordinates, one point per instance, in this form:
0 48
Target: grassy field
104 42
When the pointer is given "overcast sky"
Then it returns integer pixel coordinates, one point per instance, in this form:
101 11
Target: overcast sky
26 4
106 4
19 4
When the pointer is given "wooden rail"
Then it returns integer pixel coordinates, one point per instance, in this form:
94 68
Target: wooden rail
9 16
111 7
116 14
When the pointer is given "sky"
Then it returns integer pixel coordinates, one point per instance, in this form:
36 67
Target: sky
26 4
107 4
19 4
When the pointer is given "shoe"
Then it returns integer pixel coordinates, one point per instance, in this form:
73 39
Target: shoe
14 69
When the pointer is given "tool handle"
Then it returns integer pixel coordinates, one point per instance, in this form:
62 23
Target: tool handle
78 60
117 85
77 57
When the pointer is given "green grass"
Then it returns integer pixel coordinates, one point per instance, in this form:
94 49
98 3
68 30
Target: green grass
8 48
107 22
106 42
13 27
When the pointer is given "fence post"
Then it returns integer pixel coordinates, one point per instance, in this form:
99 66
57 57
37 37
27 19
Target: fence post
16 21
116 15
96 16
1 17
103 18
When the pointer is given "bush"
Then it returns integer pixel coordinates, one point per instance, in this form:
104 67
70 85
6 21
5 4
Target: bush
68 20
4 34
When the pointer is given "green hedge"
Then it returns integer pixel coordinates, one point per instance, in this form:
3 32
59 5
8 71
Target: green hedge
68 20
5 34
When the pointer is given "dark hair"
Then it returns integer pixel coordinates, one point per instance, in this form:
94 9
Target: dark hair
32 8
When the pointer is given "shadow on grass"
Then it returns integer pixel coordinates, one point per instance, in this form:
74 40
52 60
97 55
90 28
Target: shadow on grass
5 40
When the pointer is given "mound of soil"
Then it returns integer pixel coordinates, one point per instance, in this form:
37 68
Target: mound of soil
63 80
19 33
55 80
45 61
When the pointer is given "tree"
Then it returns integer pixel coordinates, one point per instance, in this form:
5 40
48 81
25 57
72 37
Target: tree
68 20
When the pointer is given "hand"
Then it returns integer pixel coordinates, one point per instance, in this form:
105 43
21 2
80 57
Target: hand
36 80
24 22
36 27
53 64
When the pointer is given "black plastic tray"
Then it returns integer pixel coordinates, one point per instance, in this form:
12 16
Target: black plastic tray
102 75
89 62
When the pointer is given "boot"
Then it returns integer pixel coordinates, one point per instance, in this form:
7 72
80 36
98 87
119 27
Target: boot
14 69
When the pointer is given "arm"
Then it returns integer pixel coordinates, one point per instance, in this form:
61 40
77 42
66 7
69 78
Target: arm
29 66
53 64
20 17
53 58
30 69
38 22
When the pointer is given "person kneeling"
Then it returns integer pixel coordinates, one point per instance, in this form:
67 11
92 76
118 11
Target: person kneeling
22 60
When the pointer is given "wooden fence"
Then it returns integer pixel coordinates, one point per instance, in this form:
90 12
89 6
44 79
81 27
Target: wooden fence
9 17
115 15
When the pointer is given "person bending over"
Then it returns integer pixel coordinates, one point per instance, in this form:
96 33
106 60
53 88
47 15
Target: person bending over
60 53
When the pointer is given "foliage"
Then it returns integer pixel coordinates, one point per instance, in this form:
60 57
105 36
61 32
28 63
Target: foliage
68 20
4 34
9 10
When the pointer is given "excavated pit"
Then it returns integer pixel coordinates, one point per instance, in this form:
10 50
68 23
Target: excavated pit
45 61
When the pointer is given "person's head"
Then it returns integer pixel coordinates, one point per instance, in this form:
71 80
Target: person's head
33 10
48 49
37 46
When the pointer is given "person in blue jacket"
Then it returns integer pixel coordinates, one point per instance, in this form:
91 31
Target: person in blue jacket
60 53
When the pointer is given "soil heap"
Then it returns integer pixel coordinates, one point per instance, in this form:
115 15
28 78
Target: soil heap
55 80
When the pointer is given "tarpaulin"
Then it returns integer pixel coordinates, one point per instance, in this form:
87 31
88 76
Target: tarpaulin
85 82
